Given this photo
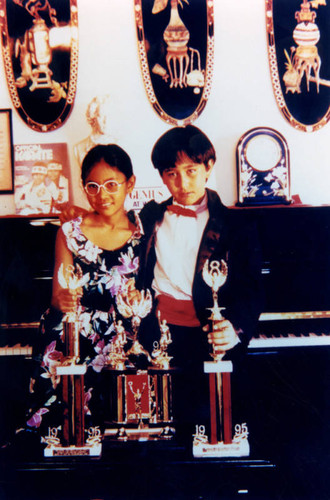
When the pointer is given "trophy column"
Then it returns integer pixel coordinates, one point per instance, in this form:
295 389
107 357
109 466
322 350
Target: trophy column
73 442
220 443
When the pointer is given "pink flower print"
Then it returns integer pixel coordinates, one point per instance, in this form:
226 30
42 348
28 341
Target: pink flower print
100 346
93 337
101 315
85 326
90 251
112 281
36 418
98 362
51 360
87 398
130 263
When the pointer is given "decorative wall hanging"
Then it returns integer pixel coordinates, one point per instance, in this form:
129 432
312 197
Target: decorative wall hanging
176 48
40 54
263 168
298 49
6 153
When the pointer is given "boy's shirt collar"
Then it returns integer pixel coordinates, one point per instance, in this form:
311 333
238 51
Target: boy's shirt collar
201 207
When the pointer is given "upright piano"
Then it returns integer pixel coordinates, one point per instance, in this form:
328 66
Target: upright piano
288 358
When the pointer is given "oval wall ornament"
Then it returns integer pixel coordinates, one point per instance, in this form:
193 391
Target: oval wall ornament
298 33
40 54
176 50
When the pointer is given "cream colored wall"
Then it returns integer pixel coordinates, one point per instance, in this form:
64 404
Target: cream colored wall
241 98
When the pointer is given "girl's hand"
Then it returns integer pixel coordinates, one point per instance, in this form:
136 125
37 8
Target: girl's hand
67 300
132 293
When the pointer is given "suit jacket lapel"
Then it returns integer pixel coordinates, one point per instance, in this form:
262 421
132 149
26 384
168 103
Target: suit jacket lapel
214 231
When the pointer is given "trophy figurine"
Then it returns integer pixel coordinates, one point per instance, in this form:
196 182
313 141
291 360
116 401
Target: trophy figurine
140 399
117 356
72 373
161 359
221 442
137 309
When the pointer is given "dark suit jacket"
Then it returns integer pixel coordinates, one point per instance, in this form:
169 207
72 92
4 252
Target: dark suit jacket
223 238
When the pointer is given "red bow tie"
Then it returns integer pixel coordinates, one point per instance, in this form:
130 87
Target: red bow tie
186 212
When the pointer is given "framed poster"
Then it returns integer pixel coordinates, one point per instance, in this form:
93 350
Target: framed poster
42 178
6 153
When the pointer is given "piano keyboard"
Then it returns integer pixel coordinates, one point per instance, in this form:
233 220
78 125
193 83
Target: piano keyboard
263 340
292 339
18 348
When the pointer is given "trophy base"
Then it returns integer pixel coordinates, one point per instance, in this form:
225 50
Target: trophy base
139 434
73 451
239 448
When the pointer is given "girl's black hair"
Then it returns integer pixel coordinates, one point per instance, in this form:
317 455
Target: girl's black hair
111 154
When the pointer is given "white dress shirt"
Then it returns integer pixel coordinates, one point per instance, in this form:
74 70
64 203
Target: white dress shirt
177 243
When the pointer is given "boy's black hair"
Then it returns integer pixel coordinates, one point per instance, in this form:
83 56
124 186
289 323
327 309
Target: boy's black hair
189 140
111 154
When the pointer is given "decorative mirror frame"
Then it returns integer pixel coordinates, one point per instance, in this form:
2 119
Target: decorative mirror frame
263 180
40 55
177 77
299 60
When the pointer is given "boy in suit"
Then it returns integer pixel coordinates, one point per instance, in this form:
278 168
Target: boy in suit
181 234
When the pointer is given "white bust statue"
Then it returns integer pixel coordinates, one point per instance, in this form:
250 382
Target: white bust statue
98 117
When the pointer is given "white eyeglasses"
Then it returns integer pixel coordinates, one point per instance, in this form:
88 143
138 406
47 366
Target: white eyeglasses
93 188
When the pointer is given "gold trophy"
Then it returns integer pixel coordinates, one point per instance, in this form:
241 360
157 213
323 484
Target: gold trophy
220 443
117 356
140 399
72 374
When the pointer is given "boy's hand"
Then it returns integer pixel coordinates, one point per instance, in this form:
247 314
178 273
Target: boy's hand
71 212
223 335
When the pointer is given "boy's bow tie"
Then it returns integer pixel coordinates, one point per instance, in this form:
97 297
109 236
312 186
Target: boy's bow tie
177 209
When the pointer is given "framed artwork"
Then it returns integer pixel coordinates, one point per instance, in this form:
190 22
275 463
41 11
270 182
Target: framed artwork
176 49
40 55
263 168
42 178
298 33
6 153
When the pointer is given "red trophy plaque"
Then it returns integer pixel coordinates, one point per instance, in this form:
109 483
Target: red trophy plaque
220 443
73 442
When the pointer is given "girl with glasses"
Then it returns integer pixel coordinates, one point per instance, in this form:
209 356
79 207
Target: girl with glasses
103 245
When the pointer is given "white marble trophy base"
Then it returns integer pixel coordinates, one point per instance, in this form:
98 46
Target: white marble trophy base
238 448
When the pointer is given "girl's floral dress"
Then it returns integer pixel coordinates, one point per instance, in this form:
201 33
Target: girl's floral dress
105 273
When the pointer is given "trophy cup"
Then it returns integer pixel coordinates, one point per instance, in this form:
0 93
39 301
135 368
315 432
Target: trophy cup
221 442
72 374
140 399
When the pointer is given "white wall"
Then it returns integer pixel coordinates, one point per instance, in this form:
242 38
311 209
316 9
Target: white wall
241 98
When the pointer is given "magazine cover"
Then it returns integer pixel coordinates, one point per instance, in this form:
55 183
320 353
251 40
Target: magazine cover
42 184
